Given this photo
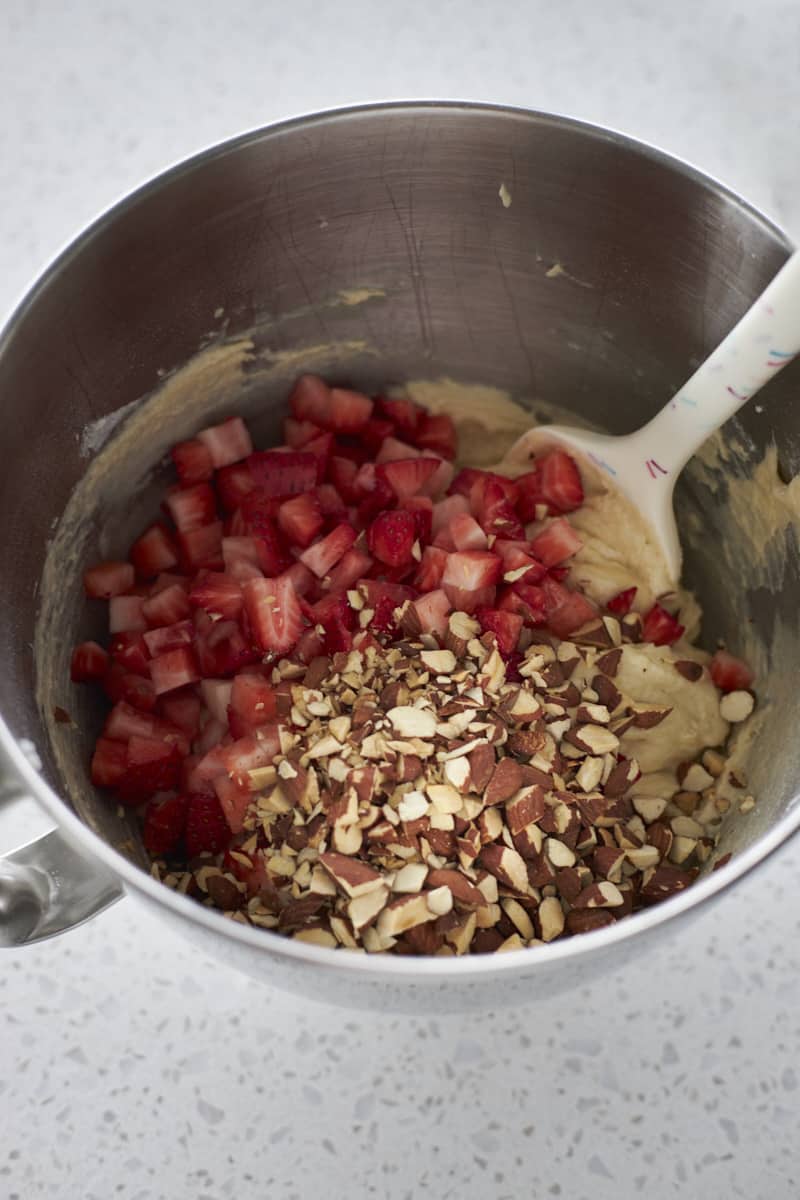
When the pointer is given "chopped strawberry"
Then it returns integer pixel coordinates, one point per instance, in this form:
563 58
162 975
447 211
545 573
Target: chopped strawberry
208 745
235 798
493 509
377 496
191 507
394 450
216 695
375 433
517 564
437 433
192 461
108 579
119 684
555 481
302 580
233 484
325 554
338 409
284 473
130 649
248 753
221 647
301 519
421 507
429 573
182 708
167 606
273 613
331 503
467 533
125 614
297 433
351 567
403 413
206 831
730 674
407 477
527 600
391 537
220 595
168 637
89 661
260 523
151 766
342 473
433 611
309 399
506 627
469 579
621 604
164 823
154 551
227 443
253 699
445 510
374 590
168 579
566 610
310 644
174 669
384 618
201 547
557 542
109 762
660 627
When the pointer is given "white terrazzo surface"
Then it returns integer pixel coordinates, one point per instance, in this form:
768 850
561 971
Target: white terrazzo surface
129 1068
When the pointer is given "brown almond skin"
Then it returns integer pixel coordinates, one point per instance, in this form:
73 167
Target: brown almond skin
607 859
317 671
505 781
608 693
463 891
482 762
224 893
689 670
527 742
298 913
618 782
568 883
442 842
486 941
584 920
423 939
609 663
665 881
540 871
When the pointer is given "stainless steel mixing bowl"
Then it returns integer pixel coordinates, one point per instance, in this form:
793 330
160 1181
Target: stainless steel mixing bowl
374 245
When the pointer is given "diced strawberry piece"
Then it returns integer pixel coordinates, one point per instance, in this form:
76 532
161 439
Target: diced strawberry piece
384 617
182 709
421 507
221 647
233 484
467 533
374 590
364 639
206 831
119 684
407 477
297 433
351 567
331 608
109 762
321 447
331 503
493 509
375 432
433 611
394 450
130 650
273 613
310 398
622 603
310 645
376 499
284 473
566 610
506 627
191 507
469 578
174 669
108 579
253 699
218 594
437 433
125 614
164 823
167 606
349 411
391 537
555 481
192 461
325 554
302 580
227 443
201 547
151 766
168 579
235 798
525 600
168 637
431 569
342 473
660 627
403 413
89 661
301 519
557 542
248 753
154 551
209 744
518 565
445 510
442 477
730 674
216 695
257 513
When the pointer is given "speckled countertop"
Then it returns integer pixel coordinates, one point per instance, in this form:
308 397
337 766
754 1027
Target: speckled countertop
130 1068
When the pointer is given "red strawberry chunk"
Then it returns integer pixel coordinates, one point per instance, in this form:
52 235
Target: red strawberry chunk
284 472
301 519
109 762
394 450
108 579
125 722
167 606
297 433
325 554
445 510
403 413
506 627
216 695
221 647
330 502
660 627
517 564
164 823
201 547
259 520
433 611
342 473
391 537
218 594
191 507
206 830
154 551
442 477
125 614
168 637
130 650
310 644
182 709
493 509
557 542
235 798
526 600
253 699
233 484
429 573
174 669
422 509
554 481
193 461
302 580
273 613
622 603
227 443
349 411
249 753
374 434
133 689
437 433
351 567
374 590
467 533
310 399
151 766
566 610
377 496
471 570
89 661
730 674
407 477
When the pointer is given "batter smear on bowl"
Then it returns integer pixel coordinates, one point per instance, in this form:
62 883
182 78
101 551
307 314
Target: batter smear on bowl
369 700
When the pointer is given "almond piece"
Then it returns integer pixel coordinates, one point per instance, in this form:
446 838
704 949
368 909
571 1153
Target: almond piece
410 878
354 877
649 808
460 937
524 807
507 865
517 914
439 900
364 909
599 895
444 797
457 772
402 914
458 884
505 781
696 779
736 706
551 918
413 806
559 853
440 662
410 722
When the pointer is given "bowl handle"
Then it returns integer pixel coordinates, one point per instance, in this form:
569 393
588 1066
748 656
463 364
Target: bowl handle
47 888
